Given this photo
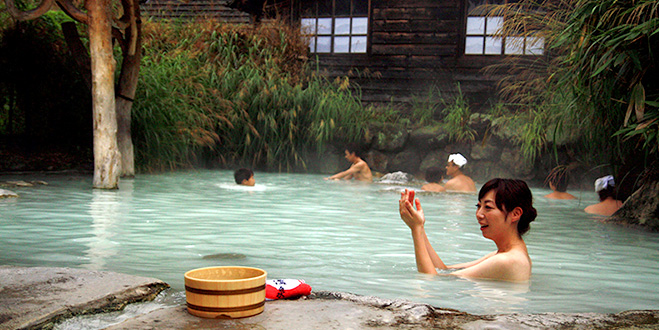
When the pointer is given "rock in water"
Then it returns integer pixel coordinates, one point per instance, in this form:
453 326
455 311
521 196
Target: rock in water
225 256
397 178
7 193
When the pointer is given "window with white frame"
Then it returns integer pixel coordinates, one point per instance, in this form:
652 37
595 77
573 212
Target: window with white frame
335 26
481 38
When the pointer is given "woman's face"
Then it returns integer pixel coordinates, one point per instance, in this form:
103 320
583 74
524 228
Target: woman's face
491 219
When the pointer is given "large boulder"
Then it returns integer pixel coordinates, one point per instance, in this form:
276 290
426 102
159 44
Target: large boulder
641 209
406 161
428 138
39 297
435 158
501 131
330 161
463 148
511 159
485 151
483 171
377 161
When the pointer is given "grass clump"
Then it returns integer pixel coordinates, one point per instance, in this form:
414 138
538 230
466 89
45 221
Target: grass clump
229 94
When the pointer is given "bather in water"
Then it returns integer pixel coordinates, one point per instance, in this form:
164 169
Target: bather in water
504 212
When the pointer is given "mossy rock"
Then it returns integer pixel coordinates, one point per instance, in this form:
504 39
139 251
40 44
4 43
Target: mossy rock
388 137
428 138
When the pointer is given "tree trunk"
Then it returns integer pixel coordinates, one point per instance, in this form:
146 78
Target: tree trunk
130 70
106 154
78 51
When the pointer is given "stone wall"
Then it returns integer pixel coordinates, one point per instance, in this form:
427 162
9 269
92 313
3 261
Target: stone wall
494 152
393 147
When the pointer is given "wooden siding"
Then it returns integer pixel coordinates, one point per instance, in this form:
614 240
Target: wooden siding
193 9
414 45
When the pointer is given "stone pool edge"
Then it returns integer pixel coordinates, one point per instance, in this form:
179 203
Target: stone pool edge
39 297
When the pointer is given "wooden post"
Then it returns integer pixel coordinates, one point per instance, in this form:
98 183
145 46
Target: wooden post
106 152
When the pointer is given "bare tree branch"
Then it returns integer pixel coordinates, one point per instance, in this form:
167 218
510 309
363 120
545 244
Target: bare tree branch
125 30
20 15
133 8
119 36
128 21
73 11
122 23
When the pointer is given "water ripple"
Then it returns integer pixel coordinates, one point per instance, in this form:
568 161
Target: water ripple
334 235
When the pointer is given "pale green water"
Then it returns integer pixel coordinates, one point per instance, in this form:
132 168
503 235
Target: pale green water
336 236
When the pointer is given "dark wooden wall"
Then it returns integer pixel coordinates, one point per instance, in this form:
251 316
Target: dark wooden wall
193 9
414 45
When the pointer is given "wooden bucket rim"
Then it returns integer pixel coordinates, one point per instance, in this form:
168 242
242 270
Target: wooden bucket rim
187 274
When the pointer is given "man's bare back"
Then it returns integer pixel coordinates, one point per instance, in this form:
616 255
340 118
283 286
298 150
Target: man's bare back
460 182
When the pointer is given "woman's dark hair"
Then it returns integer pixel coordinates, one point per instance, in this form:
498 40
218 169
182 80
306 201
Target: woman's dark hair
242 174
607 192
509 194
434 174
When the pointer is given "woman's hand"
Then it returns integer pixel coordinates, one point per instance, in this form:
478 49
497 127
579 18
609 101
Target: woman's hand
412 218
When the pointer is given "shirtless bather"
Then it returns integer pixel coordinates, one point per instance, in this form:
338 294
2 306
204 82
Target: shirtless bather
434 178
605 188
359 170
504 213
558 180
458 181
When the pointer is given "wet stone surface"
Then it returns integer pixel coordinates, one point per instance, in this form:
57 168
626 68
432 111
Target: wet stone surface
39 297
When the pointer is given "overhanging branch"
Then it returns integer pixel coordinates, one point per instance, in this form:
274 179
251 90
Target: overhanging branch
73 11
20 15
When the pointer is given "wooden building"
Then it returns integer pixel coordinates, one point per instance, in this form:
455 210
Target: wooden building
193 9
398 50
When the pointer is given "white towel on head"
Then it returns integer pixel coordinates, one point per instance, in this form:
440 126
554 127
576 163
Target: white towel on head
458 159
604 182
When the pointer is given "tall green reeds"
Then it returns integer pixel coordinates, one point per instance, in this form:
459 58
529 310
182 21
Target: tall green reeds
224 94
456 118
611 62
598 77
452 114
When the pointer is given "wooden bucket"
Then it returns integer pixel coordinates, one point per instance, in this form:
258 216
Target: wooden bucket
225 292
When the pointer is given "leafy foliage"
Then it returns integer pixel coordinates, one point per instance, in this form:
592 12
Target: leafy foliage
456 118
599 79
451 113
236 95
